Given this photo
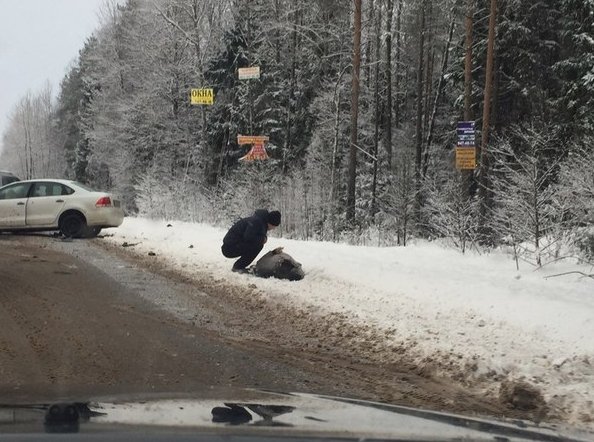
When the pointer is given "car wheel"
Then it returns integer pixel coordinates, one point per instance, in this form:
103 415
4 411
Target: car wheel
72 225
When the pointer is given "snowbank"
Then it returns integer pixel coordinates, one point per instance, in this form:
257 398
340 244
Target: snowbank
492 320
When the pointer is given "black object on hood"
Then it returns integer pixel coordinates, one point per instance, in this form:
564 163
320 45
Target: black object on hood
274 218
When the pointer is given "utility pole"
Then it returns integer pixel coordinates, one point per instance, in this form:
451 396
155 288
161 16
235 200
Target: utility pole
468 60
467 174
388 74
350 213
484 191
419 125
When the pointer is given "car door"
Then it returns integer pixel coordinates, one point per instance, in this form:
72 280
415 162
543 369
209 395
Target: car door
45 203
13 205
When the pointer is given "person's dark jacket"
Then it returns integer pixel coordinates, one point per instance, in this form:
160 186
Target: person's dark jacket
249 230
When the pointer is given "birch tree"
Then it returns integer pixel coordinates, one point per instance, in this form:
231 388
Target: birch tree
29 142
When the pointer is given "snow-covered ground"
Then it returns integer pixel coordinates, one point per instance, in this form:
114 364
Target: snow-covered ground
492 320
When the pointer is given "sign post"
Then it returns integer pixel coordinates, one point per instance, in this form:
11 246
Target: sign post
466 148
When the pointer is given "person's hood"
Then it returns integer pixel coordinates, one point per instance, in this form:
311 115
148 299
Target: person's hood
262 214
238 414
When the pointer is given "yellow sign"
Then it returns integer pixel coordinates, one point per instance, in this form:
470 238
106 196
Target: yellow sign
465 158
202 96
251 139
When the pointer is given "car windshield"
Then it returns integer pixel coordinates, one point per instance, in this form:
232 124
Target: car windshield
381 200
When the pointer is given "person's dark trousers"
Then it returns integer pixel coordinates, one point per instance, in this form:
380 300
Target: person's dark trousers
245 250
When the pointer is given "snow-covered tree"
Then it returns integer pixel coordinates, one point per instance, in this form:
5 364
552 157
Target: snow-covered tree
528 213
123 118
576 192
30 148
398 202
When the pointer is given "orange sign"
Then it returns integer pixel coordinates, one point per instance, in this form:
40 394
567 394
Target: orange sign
257 152
251 139
465 158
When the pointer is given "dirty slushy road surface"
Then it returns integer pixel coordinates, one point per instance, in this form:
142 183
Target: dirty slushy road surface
83 319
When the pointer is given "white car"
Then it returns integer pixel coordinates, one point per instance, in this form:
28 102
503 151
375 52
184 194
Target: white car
67 206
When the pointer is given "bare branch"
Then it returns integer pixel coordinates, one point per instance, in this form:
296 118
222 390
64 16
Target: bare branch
176 25
591 275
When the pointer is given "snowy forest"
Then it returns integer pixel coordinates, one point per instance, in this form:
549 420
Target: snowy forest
360 100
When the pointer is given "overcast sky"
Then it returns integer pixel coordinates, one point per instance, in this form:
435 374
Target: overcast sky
39 39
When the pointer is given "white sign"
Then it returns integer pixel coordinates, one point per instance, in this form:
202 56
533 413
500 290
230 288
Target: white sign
249 73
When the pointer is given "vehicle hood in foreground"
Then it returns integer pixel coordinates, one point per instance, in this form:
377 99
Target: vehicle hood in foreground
247 414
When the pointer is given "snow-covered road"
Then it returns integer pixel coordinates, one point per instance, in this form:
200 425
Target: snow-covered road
475 313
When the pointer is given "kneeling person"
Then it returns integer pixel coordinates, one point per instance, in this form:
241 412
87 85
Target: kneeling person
246 238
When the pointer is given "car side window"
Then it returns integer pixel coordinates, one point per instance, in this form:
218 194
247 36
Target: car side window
15 191
66 190
39 190
50 189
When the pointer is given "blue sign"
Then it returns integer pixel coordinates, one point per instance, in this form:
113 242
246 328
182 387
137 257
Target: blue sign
466 134
467 125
